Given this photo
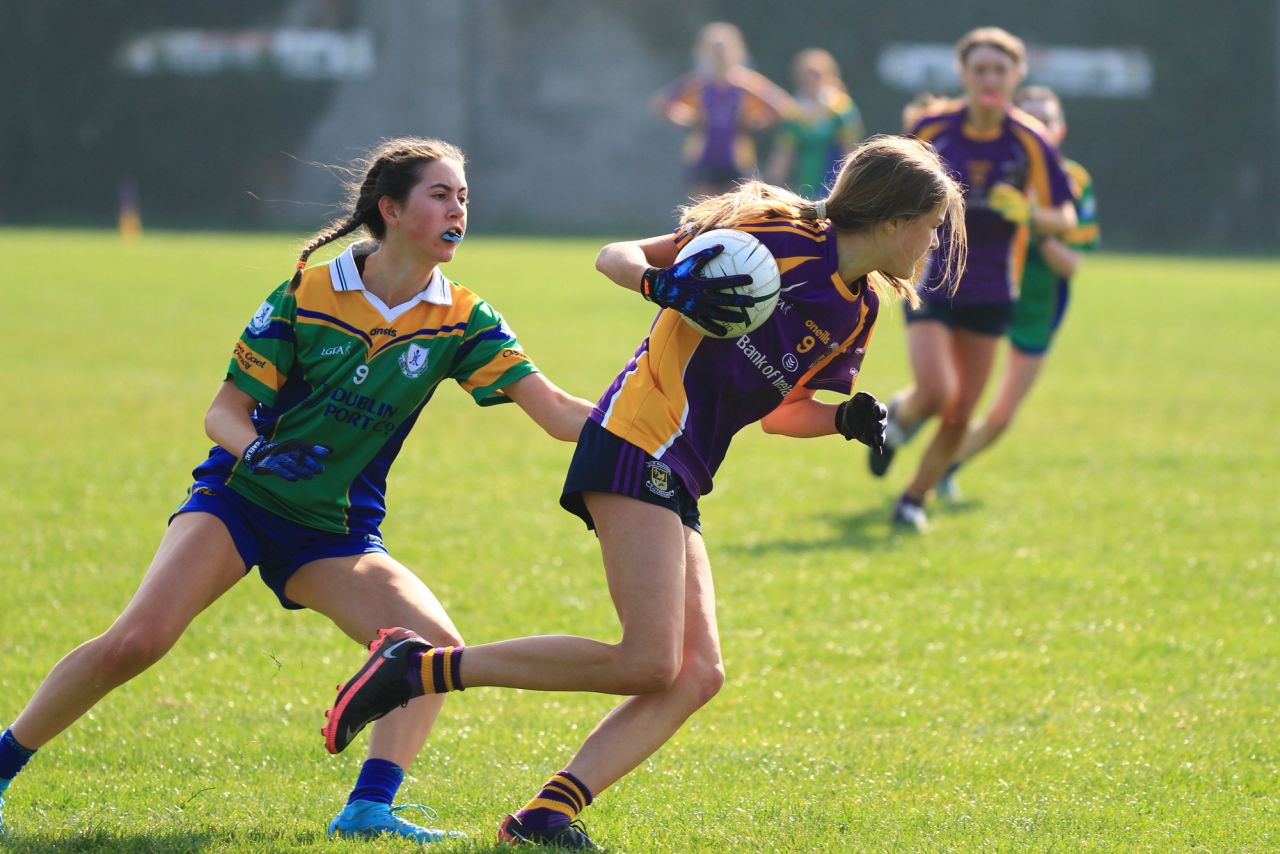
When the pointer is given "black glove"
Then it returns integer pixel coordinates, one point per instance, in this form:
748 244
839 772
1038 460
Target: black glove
706 301
864 418
292 459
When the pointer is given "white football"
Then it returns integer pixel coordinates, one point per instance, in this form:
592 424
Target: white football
742 255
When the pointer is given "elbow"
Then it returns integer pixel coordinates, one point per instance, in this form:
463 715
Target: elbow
209 421
603 258
767 425
600 258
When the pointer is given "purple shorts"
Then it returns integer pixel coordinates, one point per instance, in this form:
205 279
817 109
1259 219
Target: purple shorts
603 462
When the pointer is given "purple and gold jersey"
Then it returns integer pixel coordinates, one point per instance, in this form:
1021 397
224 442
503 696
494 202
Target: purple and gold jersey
1015 153
332 365
683 395
725 112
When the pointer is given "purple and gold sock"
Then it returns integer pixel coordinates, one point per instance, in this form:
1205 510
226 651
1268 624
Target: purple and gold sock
559 802
439 671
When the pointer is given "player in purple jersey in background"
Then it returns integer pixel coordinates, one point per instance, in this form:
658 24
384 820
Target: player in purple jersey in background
1042 302
1014 182
722 103
657 435
285 452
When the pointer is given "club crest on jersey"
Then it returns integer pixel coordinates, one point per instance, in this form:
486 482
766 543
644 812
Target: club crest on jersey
261 319
659 480
413 362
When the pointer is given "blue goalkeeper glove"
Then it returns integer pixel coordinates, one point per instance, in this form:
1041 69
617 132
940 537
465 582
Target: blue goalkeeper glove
292 459
681 287
864 418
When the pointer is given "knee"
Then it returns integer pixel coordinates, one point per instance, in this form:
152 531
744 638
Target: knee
444 637
647 672
997 421
938 396
703 680
125 653
959 410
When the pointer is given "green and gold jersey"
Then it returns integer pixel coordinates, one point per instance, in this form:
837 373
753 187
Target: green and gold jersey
331 364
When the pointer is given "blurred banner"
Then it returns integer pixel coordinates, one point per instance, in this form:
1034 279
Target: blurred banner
228 114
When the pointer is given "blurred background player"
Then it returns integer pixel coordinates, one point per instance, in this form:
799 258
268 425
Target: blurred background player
826 125
322 389
1042 299
723 103
1014 182
656 437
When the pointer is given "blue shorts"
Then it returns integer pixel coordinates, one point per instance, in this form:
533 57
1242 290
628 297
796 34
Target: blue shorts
984 318
603 462
278 546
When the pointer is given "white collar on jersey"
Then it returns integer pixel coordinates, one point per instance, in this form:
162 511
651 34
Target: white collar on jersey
346 277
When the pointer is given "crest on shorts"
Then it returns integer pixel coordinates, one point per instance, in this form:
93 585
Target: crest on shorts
261 320
659 479
413 362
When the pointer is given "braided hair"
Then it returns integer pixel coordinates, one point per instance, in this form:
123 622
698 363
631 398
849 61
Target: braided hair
392 169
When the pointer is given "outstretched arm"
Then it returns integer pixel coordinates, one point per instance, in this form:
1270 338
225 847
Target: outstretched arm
551 408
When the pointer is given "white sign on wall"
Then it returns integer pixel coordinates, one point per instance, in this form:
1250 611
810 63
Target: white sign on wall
299 54
1104 72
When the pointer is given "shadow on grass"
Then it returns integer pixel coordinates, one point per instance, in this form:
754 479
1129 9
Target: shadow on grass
867 530
177 841
102 840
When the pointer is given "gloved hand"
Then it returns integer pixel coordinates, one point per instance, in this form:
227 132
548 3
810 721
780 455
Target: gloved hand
1010 202
864 418
292 459
706 301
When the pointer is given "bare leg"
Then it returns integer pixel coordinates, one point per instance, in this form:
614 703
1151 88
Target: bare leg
1019 376
973 356
930 350
644 560
362 594
639 726
195 563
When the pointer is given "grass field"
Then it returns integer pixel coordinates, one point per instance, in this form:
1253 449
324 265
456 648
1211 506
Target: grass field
1084 655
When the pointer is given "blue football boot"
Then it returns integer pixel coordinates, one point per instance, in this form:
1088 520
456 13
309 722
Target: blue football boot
373 818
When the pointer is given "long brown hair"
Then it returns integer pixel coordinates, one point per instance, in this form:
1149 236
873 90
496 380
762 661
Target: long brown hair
392 169
884 178
1002 40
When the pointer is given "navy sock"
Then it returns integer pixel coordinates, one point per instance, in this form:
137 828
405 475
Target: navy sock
12 755
379 781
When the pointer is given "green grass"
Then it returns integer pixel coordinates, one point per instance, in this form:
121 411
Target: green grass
1082 656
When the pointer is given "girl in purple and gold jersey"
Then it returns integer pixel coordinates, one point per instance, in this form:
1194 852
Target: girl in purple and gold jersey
656 437
322 389
1014 182
722 103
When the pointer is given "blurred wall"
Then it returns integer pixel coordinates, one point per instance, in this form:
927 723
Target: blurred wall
220 121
